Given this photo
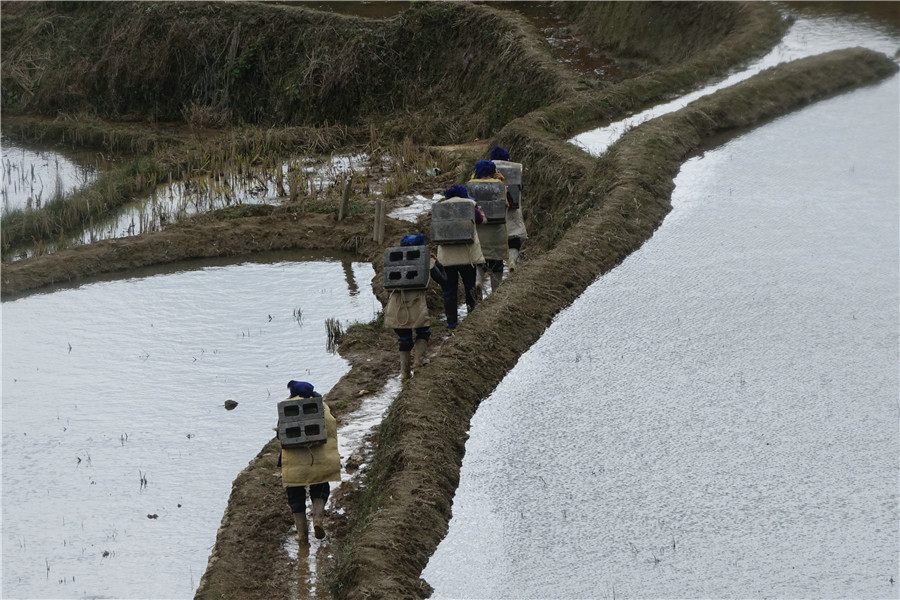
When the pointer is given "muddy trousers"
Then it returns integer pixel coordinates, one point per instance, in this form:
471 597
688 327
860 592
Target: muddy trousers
296 495
515 246
491 267
449 291
405 337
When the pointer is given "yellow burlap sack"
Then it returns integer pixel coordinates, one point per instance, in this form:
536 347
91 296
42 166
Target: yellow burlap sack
307 465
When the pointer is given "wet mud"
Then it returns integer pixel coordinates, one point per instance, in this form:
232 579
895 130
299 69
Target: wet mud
588 216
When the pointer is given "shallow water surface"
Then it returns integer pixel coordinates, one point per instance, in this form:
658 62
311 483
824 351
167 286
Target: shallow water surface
30 178
811 34
717 417
118 454
313 179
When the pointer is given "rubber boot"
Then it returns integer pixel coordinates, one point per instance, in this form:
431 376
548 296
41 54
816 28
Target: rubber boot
513 259
479 281
496 278
302 527
420 350
404 365
318 515
471 299
450 309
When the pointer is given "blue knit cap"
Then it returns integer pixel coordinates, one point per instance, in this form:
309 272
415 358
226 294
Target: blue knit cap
416 239
498 153
484 169
300 388
457 191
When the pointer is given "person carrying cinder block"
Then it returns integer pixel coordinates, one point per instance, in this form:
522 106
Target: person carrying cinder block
488 187
454 222
309 455
408 268
515 217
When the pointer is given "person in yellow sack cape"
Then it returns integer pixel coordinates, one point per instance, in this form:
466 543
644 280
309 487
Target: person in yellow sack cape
310 466
492 236
460 262
406 312
515 219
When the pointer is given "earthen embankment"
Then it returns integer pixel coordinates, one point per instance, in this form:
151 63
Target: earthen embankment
416 468
585 215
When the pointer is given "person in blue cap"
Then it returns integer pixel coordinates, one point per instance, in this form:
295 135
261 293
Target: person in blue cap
459 261
493 236
406 312
515 218
310 467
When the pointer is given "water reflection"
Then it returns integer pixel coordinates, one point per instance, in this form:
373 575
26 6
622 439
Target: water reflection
808 36
31 178
314 180
113 398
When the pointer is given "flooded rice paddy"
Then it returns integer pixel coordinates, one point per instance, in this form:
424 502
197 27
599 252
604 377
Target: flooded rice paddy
730 410
30 178
314 180
811 34
118 453
718 416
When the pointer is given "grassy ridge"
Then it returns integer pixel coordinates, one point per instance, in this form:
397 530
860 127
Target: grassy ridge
656 31
436 71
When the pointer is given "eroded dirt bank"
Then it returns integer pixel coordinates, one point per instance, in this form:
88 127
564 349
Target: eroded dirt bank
258 229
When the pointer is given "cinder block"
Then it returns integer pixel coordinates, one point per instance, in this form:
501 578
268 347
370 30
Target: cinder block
452 211
453 232
453 223
512 172
491 197
301 408
406 267
494 211
301 422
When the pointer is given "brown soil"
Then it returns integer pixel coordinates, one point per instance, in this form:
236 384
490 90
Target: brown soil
395 516
591 214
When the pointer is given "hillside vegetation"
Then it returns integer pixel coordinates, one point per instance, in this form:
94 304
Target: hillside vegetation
439 72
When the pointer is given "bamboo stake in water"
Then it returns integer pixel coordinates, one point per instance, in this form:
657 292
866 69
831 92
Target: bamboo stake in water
379 218
345 198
